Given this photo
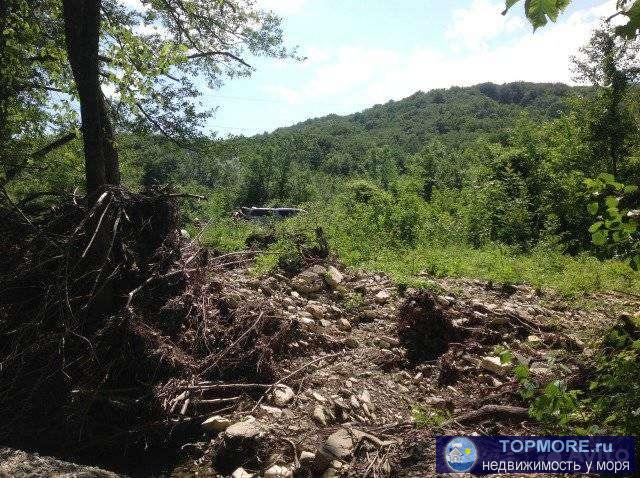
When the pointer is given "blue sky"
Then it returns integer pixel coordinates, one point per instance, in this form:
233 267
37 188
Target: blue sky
365 52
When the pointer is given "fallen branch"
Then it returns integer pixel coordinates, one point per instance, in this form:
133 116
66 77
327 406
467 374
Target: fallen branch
499 412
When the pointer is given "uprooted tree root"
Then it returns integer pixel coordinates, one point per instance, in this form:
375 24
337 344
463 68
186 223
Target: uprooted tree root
425 328
104 314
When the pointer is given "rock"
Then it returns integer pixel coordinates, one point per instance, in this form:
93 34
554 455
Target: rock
318 269
354 402
325 323
277 471
493 364
307 458
369 315
185 234
382 297
333 276
331 473
339 446
306 321
534 340
216 423
17 463
344 324
365 397
541 372
242 473
243 430
282 395
318 397
275 411
316 311
320 415
308 281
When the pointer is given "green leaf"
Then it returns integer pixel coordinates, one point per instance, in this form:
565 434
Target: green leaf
596 226
630 188
612 202
593 208
599 238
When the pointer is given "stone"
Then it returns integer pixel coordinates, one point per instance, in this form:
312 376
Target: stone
307 458
242 473
282 395
216 423
338 446
306 321
331 473
494 365
320 415
316 311
318 397
365 397
344 324
185 234
308 282
275 411
325 323
318 269
243 430
382 297
333 276
277 471
534 340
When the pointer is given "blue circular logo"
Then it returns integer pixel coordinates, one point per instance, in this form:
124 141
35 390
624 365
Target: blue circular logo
460 454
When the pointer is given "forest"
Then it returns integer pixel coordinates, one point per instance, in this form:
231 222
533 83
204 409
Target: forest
464 260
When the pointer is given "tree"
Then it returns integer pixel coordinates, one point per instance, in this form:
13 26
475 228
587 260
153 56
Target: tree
136 67
611 65
539 12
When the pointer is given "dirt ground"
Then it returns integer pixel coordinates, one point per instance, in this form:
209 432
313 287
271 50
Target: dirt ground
348 361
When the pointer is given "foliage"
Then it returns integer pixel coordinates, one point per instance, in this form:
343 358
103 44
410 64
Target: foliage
429 417
616 228
613 399
539 12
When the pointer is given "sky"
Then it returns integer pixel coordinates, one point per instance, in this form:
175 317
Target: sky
366 52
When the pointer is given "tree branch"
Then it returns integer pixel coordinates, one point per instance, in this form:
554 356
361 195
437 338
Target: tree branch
223 53
161 129
54 145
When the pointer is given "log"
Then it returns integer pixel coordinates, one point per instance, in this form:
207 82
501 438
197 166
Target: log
499 412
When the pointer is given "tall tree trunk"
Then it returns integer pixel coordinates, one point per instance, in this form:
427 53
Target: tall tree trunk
112 166
82 32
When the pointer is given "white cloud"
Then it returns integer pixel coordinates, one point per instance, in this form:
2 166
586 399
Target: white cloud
480 22
360 75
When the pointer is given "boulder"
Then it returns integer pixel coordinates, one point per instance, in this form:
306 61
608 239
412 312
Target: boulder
338 446
245 430
382 297
274 411
242 473
333 276
320 415
494 365
344 324
309 281
307 458
316 311
277 471
282 395
216 423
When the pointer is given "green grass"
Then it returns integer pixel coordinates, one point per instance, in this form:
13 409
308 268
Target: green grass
429 417
570 276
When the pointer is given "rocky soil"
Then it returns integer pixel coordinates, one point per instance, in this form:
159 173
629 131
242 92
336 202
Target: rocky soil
360 357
